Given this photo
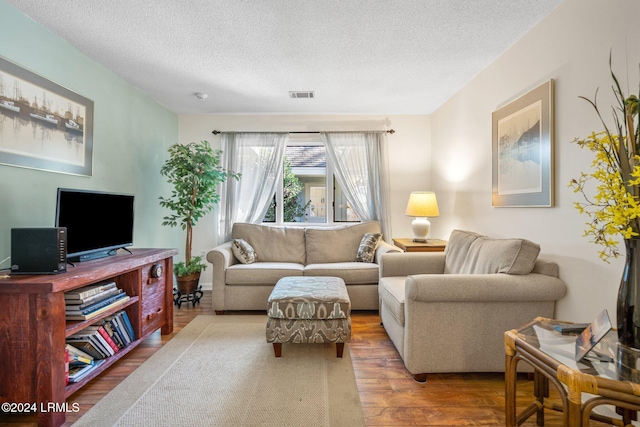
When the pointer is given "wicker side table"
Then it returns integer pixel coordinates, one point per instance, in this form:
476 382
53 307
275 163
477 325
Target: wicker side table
582 387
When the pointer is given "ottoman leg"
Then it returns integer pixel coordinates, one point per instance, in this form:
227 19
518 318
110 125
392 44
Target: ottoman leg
339 349
277 349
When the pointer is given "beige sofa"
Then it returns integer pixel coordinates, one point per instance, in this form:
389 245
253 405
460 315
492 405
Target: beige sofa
294 251
447 312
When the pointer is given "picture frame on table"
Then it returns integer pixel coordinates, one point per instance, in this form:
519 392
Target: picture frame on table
43 125
591 336
522 150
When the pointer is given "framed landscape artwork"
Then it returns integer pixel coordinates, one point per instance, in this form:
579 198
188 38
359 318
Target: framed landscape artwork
42 124
523 150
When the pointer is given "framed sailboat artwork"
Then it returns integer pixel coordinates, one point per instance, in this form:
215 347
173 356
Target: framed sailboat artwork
43 125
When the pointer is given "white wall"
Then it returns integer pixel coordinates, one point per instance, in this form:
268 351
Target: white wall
572 47
409 155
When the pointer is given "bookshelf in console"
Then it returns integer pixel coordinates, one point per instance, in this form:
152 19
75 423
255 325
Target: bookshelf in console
33 325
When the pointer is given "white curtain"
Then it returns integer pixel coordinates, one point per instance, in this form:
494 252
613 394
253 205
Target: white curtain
361 168
259 158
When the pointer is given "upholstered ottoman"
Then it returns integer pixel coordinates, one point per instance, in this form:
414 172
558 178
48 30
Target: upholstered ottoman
309 309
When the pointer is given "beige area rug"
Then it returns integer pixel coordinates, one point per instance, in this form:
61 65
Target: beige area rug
220 371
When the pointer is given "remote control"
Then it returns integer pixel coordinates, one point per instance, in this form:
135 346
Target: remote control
571 328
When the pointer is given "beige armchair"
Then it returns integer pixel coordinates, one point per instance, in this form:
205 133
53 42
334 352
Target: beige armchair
447 312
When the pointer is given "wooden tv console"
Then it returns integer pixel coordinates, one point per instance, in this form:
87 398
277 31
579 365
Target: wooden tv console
33 327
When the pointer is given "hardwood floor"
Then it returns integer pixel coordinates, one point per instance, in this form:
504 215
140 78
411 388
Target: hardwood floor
390 396
388 393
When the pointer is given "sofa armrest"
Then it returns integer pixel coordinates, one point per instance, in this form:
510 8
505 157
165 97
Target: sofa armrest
483 287
408 263
384 248
221 257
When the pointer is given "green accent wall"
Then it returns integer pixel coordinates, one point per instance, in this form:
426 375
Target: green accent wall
131 135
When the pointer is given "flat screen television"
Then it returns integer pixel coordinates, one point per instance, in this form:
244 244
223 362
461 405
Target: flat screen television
98 223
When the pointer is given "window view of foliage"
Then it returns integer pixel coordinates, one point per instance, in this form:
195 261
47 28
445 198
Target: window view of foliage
294 211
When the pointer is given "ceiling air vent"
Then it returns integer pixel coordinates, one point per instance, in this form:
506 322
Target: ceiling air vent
301 94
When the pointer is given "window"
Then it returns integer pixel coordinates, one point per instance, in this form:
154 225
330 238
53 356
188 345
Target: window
302 193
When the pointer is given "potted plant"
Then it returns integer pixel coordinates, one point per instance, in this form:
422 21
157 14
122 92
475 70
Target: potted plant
194 170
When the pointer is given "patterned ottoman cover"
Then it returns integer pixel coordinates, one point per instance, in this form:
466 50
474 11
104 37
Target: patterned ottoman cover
309 309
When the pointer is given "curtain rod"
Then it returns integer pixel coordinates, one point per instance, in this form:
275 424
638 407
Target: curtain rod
391 131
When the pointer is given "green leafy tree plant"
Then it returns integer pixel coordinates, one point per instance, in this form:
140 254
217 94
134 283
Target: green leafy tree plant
292 188
194 170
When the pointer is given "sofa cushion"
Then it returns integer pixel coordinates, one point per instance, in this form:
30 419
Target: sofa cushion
261 273
353 273
367 248
391 290
243 251
457 249
272 243
471 253
336 244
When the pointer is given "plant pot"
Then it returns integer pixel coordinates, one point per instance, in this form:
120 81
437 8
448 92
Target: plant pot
189 283
628 304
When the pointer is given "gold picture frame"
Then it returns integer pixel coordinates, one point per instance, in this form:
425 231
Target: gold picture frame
522 161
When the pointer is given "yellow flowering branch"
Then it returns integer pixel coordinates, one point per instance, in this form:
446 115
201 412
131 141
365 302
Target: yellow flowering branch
614 210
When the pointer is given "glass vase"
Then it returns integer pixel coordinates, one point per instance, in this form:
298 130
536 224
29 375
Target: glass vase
628 306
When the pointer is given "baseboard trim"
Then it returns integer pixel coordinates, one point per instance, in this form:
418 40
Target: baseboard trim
206 286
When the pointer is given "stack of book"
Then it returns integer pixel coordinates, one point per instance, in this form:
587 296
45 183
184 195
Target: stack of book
88 347
106 337
80 364
90 301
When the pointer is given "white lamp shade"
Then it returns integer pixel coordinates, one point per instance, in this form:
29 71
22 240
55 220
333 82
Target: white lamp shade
422 204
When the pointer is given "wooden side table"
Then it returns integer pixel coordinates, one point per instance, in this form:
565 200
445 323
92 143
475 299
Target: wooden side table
432 245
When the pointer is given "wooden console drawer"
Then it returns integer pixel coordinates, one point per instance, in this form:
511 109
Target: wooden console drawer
152 285
153 299
152 313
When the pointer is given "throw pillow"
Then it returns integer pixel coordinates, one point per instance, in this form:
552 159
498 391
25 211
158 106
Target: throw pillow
243 251
368 246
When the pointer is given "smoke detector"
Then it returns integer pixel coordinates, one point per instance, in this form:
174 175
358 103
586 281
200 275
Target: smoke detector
201 96
302 94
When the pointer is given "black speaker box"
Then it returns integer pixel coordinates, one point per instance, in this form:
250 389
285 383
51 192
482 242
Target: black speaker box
38 250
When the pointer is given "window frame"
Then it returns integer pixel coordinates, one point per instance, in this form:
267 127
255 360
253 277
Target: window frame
330 183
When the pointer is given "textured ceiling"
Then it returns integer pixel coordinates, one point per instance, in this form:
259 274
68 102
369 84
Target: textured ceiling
358 56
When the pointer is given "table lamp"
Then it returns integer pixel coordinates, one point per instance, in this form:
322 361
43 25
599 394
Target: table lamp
422 204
